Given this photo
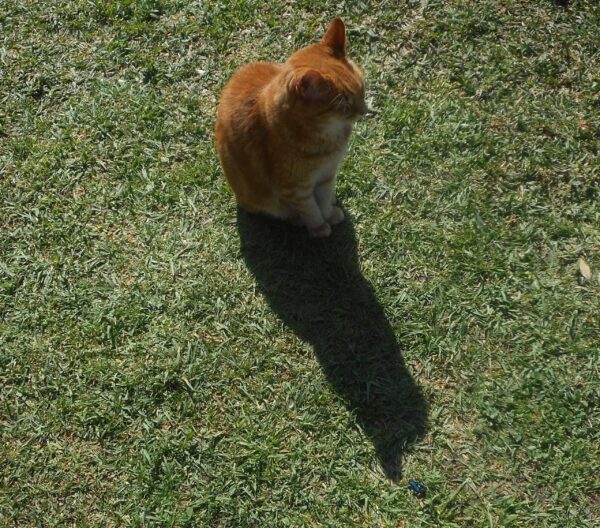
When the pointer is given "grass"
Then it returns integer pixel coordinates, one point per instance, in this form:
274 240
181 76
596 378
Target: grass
167 360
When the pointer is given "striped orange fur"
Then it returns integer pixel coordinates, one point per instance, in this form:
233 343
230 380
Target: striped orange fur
282 130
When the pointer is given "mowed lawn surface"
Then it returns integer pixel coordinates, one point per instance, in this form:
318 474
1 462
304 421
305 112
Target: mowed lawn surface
168 361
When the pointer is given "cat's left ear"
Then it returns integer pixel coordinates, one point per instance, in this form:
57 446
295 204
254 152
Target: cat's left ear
313 87
335 37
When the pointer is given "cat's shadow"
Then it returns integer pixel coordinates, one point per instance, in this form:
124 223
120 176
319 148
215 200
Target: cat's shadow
316 287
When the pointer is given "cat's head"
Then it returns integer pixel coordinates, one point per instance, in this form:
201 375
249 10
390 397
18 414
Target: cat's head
324 82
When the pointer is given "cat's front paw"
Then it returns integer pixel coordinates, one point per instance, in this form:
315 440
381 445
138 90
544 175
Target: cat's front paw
324 230
336 216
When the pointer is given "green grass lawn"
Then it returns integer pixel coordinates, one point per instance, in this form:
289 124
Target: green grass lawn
167 360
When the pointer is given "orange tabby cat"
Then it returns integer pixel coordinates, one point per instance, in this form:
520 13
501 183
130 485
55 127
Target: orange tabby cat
282 130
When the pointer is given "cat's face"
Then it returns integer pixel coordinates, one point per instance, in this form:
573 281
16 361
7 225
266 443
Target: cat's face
324 82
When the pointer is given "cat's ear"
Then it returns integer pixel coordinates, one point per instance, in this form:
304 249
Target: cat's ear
335 37
313 87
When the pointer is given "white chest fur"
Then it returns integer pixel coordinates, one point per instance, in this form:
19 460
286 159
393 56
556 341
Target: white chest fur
328 166
336 130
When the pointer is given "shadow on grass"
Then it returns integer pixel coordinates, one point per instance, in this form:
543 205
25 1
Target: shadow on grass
315 286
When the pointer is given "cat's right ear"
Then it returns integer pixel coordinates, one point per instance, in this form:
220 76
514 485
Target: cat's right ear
313 87
335 37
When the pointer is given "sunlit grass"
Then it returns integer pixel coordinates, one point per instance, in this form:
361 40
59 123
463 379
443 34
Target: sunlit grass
166 360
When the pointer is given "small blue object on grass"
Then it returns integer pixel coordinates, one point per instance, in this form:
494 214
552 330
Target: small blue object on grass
417 488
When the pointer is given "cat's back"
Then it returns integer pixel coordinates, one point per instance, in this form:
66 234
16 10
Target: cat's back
239 97
241 134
